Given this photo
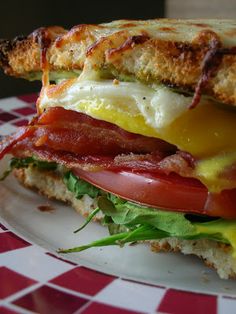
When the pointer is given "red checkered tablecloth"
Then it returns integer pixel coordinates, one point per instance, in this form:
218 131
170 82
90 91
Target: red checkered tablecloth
33 280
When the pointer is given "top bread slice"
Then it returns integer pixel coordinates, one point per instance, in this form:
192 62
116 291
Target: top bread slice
178 53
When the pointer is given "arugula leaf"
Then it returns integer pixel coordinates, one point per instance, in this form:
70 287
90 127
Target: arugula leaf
130 214
80 187
88 219
18 163
128 222
114 228
140 234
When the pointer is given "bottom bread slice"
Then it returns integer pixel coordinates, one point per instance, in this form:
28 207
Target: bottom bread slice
214 254
51 185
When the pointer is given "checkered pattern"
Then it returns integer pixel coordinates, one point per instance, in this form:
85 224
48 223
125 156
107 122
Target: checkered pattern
15 112
35 281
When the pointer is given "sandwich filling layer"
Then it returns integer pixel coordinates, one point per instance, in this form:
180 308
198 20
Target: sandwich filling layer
81 142
205 132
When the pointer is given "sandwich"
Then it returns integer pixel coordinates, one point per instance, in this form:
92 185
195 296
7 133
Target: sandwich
135 128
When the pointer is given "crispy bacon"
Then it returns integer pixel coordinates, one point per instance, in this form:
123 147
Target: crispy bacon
78 133
88 162
181 163
153 162
76 140
10 141
210 64
69 131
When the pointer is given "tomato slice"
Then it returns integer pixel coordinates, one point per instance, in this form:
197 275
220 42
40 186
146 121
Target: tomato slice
169 192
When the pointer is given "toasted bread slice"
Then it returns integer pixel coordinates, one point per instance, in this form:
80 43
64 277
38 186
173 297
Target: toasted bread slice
214 254
178 53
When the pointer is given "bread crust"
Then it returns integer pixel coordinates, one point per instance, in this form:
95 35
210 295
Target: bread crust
51 185
167 51
214 254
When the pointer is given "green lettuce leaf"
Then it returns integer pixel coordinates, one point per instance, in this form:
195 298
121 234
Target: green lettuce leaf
18 163
88 219
80 187
130 214
140 234
129 222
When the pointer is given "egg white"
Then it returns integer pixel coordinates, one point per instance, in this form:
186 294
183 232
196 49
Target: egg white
158 105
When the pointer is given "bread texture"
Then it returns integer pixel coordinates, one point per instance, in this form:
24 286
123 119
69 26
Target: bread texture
163 50
214 254
51 185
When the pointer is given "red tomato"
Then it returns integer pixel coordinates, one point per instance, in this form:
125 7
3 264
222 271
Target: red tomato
171 192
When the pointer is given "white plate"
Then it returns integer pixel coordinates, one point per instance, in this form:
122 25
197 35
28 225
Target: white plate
54 229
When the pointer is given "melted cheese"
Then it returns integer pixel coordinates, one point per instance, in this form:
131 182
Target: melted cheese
225 228
207 132
210 171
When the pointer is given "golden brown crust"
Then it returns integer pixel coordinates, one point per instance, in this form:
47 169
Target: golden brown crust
22 55
170 51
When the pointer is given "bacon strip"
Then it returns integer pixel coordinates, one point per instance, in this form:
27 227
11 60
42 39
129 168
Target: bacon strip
10 141
69 131
78 133
211 62
153 162
76 140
